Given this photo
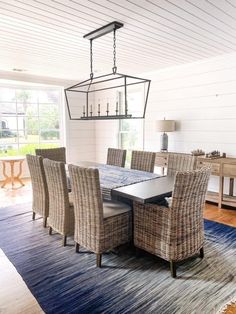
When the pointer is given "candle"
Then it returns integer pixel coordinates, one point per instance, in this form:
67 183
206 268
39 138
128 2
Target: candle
91 110
107 107
98 109
116 107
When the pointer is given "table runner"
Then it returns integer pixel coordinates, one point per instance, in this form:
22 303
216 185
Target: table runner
112 177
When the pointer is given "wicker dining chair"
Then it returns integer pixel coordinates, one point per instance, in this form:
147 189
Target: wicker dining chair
180 162
99 226
56 154
116 157
40 204
174 233
61 211
144 161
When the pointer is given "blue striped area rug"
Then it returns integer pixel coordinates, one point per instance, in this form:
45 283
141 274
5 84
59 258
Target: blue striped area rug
67 282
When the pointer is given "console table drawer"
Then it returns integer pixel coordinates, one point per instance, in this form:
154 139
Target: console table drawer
161 161
215 167
229 170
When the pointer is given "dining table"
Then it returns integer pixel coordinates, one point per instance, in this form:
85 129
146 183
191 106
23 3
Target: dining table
134 185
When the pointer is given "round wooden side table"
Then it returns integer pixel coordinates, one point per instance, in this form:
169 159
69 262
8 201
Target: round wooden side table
12 178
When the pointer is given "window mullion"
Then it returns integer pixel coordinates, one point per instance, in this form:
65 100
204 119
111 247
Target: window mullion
17 123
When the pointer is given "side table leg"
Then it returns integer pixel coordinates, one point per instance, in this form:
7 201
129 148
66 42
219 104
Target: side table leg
12 173
19 173
6 178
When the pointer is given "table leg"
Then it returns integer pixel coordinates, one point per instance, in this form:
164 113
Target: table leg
163 171
12 163
19 174
221 191
5 175
231 186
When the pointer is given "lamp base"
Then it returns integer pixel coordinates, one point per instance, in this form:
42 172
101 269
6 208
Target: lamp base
164 142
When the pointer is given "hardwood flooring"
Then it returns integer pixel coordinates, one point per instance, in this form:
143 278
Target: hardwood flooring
222 215
15 297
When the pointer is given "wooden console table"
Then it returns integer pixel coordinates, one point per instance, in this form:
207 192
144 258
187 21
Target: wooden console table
221 167
12 160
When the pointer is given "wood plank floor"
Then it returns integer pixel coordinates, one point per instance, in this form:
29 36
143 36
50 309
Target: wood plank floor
15 297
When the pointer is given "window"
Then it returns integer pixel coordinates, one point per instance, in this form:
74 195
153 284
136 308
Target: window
30 118
131 130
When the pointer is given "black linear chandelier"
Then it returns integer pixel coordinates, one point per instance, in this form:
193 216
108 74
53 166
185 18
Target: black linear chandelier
110 96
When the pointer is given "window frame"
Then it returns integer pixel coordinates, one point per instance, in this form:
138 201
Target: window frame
35 87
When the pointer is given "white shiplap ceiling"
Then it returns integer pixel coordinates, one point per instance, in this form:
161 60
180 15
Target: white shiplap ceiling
45 37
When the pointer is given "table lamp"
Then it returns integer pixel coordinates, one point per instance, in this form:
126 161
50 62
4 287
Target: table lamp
165 126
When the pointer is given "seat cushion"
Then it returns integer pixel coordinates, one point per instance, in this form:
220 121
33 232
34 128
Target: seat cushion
169 201
113 208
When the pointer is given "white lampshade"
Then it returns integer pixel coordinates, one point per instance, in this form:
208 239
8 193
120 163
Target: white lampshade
165 125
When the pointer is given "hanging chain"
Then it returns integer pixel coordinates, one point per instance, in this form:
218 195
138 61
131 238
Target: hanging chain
114 69
91 58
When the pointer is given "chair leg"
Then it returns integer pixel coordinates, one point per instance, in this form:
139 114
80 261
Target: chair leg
99 260
45 222
50 230
201 252
64 240
33 216
77 247
173 269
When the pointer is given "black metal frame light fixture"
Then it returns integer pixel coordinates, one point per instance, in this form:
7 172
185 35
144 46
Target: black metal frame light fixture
82 97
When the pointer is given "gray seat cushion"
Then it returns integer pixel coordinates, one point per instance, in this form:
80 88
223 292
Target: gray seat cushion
113 208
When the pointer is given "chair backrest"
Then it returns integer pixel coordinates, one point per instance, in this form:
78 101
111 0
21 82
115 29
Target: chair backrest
56 154
188 199
143 161
180 162
58 194
87 198
39 185
116 157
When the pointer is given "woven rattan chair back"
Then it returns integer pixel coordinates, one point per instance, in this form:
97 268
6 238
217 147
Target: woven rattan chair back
56 154
174 233
39 187
116 157
93 230
188 200
60 218
87 197
180 162
143 161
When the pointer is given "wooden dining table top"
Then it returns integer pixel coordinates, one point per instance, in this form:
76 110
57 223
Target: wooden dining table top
148 187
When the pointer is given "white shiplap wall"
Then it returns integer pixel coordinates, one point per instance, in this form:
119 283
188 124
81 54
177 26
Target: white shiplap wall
106 133
201 97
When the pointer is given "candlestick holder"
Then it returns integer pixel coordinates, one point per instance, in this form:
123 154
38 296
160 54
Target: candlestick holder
117 108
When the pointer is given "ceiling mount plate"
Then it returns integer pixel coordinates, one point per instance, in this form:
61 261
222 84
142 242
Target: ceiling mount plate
103 30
